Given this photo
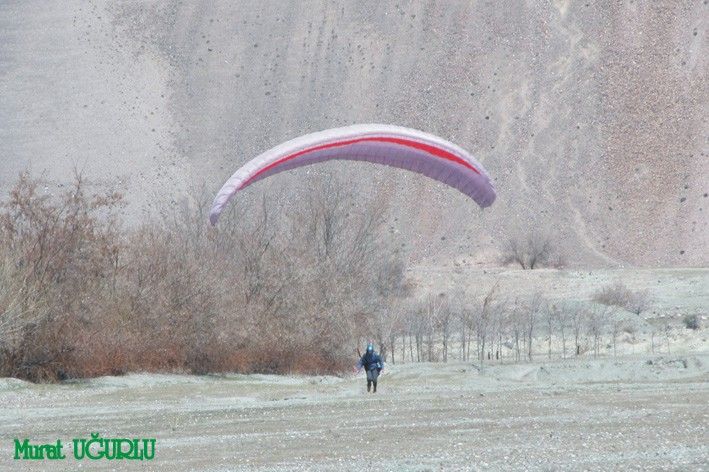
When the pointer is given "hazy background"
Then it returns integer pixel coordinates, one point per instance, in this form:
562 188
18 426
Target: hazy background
591 116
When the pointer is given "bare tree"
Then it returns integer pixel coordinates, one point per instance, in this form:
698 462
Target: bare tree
555 317
577 318
563 315
530 251
483 321
445 319
517 327
434 312
630 328
392 290
653 332
500 327
667 328
411 323
531 310
597 322
461 317
616 325
550 314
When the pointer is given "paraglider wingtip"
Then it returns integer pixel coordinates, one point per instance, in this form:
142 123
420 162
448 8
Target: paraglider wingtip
213 219
488 203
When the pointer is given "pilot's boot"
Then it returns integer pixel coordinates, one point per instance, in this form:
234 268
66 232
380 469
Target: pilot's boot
369 385
375 386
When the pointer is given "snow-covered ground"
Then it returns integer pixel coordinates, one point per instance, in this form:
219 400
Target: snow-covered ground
639 412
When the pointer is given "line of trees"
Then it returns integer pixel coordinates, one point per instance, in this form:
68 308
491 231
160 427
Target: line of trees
496 327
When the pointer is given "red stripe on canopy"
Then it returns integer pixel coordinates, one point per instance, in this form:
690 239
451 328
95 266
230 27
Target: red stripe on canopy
433 150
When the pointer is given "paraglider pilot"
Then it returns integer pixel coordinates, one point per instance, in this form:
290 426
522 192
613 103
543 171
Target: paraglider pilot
372 364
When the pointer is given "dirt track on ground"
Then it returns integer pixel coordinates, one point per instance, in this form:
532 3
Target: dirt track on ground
425 417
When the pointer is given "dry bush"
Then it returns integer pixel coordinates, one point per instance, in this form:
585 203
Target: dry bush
638 302
692 322
79 297
612 295
59 259
622 297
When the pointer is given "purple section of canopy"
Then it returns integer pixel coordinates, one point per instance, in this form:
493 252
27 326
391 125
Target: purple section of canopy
357 147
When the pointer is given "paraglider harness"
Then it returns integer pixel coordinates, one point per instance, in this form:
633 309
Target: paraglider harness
371 361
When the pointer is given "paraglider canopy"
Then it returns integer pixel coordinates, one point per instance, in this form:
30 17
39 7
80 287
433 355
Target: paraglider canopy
394 146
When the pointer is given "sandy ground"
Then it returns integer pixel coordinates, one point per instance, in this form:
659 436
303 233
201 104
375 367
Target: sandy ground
630 413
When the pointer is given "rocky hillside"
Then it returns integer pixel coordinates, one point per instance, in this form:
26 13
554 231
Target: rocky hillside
592 119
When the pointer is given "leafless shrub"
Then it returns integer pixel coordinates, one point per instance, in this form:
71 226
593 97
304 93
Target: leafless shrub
692 322
59 258
612 295
81 297
638 302
622 297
